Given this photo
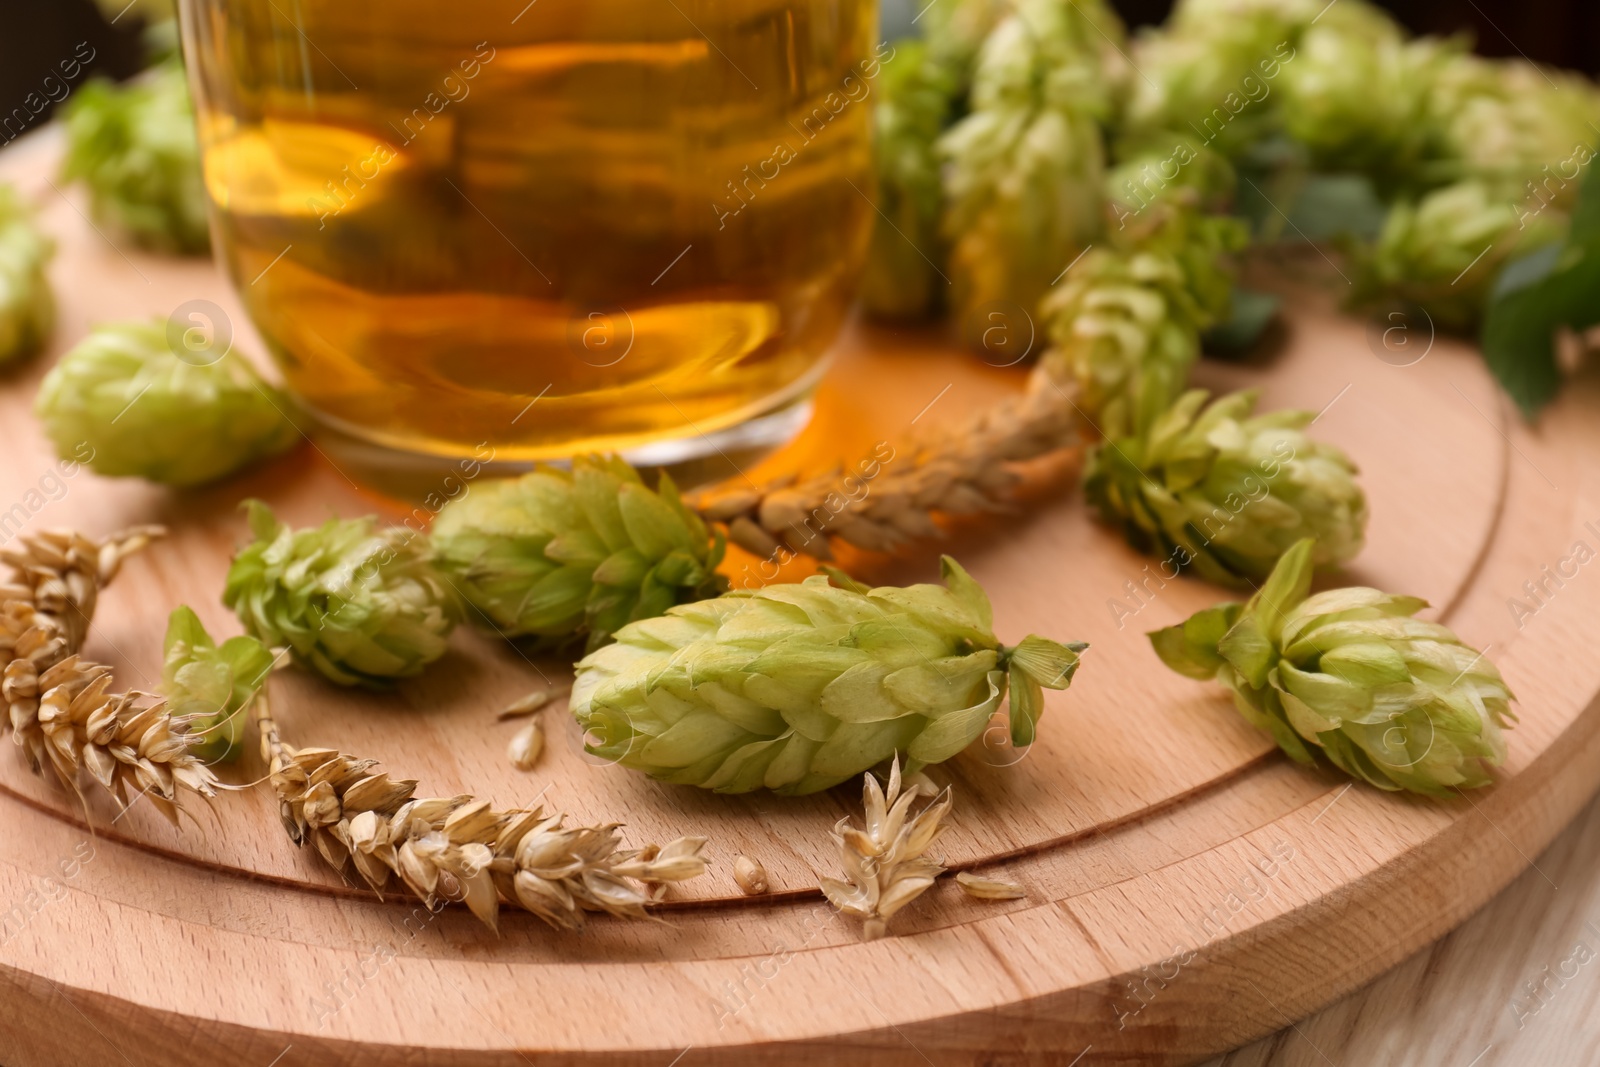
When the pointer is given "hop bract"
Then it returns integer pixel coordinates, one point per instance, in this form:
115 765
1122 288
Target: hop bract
134 146
358 604
797 688
145 412
1227 493
211 685
557 554
27 307
1352 676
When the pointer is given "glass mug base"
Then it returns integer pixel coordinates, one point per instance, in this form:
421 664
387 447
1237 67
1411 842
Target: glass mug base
431 479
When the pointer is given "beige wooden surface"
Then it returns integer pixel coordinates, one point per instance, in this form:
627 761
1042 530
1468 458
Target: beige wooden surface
1517 985
1148 822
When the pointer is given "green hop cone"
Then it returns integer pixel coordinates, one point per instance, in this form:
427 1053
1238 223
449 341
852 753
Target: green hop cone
145 412
135 148
955 31
1126 319
358 604
27 306
1351 675
797 688
1357 100
554 554
211 685
1443 252
1227 493
1025 166
1164 167
1527 131
1209 71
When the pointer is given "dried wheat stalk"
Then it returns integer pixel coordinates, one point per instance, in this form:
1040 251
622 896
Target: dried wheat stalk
885 864
967 470
48 600
458 848
62 711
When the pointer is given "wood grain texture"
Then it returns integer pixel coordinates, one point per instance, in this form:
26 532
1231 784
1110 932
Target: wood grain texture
1187 888
1515 985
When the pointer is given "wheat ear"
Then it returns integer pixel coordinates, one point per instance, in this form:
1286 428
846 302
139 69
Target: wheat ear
458 848
968 470
62 711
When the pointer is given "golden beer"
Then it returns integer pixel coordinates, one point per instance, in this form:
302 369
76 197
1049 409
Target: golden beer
555 227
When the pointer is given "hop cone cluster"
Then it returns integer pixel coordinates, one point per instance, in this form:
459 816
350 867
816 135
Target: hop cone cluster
147 412
358 604
1352 676
923 90
1225 492
1027 163
27 306
211 686
461 849
134 146
797 688
556 554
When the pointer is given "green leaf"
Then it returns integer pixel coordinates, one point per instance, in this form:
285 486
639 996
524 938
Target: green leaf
1536 296
1283 204
1586 212
1027 704
264 524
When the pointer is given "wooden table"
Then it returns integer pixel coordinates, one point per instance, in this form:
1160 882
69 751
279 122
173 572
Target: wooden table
1148 823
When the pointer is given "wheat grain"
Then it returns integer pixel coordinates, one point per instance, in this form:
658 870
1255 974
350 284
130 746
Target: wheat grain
989 888
525 747
751 876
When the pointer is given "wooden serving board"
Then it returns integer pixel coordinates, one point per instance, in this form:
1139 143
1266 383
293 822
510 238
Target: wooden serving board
1188 888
